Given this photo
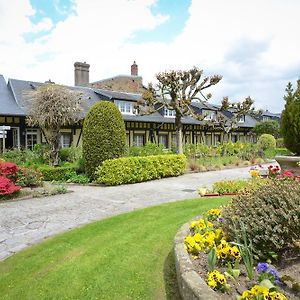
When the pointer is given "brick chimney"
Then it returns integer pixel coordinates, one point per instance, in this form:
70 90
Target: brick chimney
134 69
81 73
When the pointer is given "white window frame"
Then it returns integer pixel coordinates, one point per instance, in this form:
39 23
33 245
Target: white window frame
210 114
16 139
169 113
242 119
163 140
125 107
32 132
138 139
62 135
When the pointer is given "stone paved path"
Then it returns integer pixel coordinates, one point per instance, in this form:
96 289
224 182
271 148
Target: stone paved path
27 222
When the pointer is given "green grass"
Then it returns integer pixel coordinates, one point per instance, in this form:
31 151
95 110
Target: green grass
124 257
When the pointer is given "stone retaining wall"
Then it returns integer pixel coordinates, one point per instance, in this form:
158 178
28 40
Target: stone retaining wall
191 285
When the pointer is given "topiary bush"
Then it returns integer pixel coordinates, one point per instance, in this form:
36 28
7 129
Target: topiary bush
139 169
270 217
290 119
266 141
104 135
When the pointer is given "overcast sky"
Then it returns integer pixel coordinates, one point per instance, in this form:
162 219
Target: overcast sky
253 44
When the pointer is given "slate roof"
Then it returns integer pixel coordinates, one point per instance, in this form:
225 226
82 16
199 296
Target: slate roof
112 95
8 105
272 115
20 87
13 94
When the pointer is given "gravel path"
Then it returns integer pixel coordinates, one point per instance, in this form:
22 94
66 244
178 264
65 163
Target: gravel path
27 222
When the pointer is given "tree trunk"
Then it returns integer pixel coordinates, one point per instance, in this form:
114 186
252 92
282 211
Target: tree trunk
178 126
54 141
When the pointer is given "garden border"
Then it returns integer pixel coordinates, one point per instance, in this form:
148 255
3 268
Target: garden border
190 283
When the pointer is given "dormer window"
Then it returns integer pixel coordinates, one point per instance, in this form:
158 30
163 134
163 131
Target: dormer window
210 114
125 107
170 113
241 119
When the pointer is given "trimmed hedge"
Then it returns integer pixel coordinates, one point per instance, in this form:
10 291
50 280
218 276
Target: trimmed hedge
103 136
139 169
57 173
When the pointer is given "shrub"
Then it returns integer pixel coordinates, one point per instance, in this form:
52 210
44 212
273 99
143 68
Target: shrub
280 143
270 215
146 150
104 135
57 173
7 187
29 177
266 141
138 169
238 186
8 168
78 178
290 119
269 127
39 155
196 150
70 154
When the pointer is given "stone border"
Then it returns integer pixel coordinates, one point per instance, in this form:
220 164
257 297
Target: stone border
190 283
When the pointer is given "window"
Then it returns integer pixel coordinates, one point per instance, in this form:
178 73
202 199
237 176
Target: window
163 139
16 137
170 113
266 118
31 138
210 114
65 140
138 140
241 119
125 107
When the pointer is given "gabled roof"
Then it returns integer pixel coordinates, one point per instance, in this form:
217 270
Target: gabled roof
8 105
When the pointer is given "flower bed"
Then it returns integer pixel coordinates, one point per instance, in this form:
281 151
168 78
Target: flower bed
251 251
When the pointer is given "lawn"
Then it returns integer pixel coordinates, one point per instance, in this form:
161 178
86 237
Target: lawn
125 257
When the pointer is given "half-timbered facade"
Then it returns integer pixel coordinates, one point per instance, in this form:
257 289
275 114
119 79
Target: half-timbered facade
124 91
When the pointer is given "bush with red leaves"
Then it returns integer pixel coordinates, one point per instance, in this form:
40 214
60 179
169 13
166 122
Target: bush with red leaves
7 187
8 168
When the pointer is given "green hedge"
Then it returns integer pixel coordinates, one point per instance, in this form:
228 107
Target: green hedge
57 173
139 169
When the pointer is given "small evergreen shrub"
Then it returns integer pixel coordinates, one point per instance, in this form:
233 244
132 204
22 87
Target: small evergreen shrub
139 169
104 135
270 215
290 119
266 141
57 173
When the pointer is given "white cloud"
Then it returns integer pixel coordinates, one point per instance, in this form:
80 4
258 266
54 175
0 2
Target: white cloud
253 44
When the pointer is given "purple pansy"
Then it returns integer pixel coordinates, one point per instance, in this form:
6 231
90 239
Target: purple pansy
262 267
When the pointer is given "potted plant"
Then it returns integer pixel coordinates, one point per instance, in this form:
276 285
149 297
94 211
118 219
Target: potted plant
290 129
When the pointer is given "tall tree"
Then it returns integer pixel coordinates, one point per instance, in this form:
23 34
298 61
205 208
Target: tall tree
176 90
51 107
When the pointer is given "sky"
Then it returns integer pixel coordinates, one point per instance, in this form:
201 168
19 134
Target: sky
253 44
